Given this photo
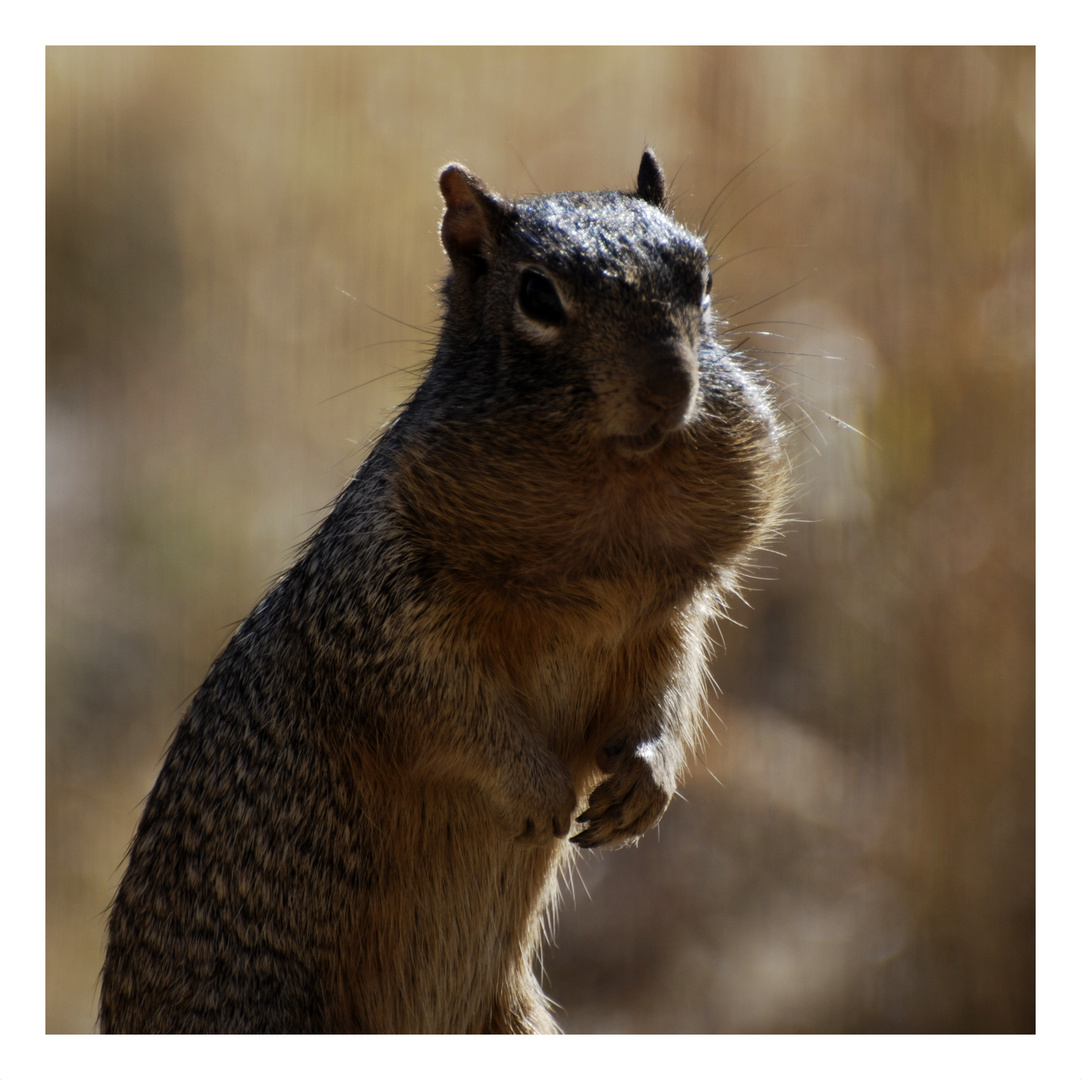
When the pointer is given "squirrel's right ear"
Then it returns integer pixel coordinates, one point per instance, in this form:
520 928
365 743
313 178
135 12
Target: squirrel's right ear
471 216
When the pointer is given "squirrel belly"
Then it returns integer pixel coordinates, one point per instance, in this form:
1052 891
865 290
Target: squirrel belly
492 651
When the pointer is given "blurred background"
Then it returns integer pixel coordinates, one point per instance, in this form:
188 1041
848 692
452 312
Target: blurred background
242 248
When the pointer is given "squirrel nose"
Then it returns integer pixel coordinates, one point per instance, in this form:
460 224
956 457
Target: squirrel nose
666 381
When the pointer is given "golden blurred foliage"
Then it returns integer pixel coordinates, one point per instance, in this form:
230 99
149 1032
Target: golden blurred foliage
242 248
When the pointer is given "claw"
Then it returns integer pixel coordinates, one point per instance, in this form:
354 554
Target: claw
587 838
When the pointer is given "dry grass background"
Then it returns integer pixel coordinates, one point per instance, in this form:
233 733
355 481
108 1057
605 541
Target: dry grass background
241 251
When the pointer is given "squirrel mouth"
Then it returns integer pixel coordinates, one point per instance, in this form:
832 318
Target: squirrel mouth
640 445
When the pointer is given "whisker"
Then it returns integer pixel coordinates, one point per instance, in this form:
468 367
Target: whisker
703 224
376 378
779 292
739 221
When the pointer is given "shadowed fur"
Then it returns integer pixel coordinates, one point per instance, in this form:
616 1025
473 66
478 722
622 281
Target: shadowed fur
498 634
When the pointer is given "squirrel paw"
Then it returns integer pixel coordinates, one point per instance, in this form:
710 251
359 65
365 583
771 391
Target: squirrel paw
544 814
630 802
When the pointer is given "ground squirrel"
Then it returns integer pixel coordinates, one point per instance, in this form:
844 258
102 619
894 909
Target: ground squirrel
497 635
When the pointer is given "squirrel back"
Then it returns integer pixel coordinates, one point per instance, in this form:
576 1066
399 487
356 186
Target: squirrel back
498 634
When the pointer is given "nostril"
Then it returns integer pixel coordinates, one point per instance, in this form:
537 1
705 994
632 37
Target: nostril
667 381
667 388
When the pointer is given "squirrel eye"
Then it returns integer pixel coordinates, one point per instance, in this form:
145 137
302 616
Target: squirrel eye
709 284
539 299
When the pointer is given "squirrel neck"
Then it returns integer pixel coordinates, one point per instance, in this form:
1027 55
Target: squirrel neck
513 510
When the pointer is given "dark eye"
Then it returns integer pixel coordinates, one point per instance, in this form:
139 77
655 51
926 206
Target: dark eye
539 299
709 285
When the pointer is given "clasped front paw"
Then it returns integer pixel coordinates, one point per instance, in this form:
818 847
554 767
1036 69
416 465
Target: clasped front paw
630 802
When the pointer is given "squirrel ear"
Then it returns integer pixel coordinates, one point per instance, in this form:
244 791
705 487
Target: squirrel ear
651 180
471 214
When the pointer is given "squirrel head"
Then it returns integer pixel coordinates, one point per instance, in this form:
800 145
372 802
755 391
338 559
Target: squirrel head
578 303
580 421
